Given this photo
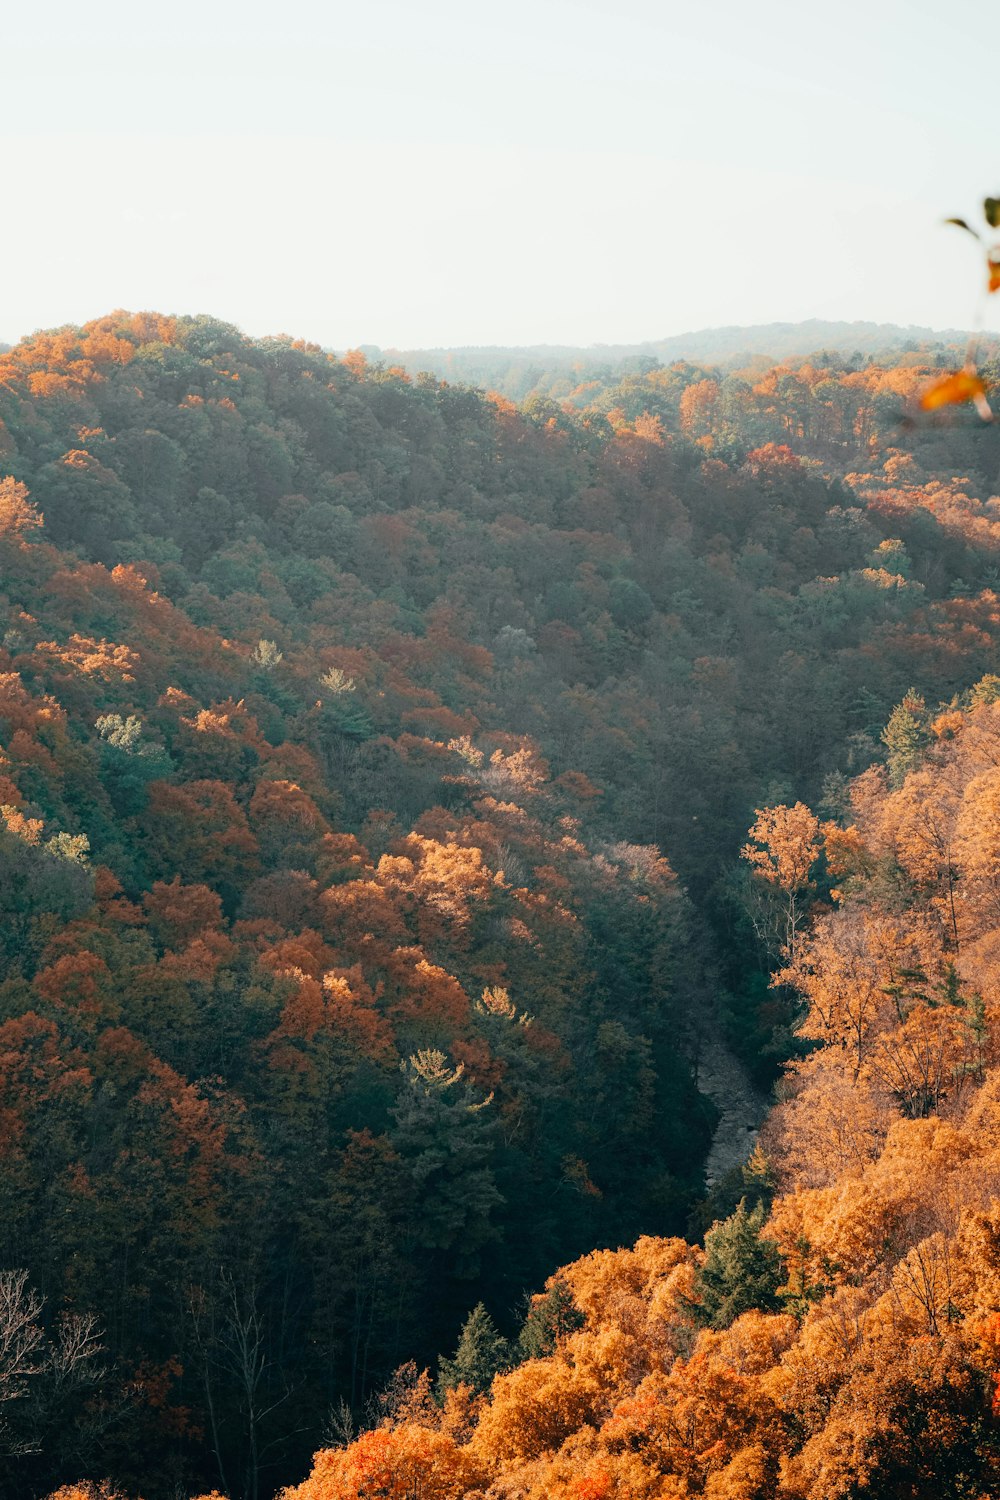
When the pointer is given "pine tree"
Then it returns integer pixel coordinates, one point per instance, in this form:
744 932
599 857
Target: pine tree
741 1270
129 762
550 1317
905 736
482 1353
342 714
445 1136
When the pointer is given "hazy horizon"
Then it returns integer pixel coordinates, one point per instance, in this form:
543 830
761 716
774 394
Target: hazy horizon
681 333
608 345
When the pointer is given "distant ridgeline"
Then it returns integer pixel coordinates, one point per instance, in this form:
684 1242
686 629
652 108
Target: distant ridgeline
546 368
375 761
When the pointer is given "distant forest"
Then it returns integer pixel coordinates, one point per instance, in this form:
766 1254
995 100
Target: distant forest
376 756
565 373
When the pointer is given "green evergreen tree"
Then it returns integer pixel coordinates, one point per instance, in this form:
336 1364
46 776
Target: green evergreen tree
550 1317
741 1271
344 715
905 736
129 762
445 1136
482 1353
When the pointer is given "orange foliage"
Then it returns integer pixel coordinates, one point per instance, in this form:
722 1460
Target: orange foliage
28 830
887 1222
952 390
444 879
200 959
786 845
358 911
199 827
101 659
178 913
284 817
351 1008
80 982
417 990
405 1463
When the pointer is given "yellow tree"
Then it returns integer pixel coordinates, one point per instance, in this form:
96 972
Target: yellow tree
17 514
785 845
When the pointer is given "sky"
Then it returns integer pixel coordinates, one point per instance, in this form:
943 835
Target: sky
417 173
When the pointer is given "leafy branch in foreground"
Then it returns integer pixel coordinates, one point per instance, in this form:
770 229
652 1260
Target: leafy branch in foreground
967 384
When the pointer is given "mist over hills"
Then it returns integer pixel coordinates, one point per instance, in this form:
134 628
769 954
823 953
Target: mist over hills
516 371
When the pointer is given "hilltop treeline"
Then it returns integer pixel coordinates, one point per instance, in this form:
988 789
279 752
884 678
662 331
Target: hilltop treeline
375 761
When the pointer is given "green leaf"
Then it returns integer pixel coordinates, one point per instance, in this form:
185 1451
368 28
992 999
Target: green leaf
991 210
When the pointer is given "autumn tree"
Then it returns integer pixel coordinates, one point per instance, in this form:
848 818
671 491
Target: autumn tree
786 844
18 516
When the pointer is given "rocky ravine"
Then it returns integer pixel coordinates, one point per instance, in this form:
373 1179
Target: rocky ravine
742 1107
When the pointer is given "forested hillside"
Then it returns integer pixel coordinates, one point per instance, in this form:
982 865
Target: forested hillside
375 759
838 1336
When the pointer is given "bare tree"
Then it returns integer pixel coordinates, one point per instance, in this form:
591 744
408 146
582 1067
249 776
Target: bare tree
22 1341
44 1374
232 1338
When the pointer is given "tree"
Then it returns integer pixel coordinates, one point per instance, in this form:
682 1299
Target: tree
741 1271
18 517
35 877
905 737
403 1463
22 1341
482 1353
43 1379
199 827
129 763
786 844
233 1343
84 501
266 655
551 1316
445 1135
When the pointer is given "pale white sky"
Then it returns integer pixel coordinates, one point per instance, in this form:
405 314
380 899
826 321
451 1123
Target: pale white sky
423 172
